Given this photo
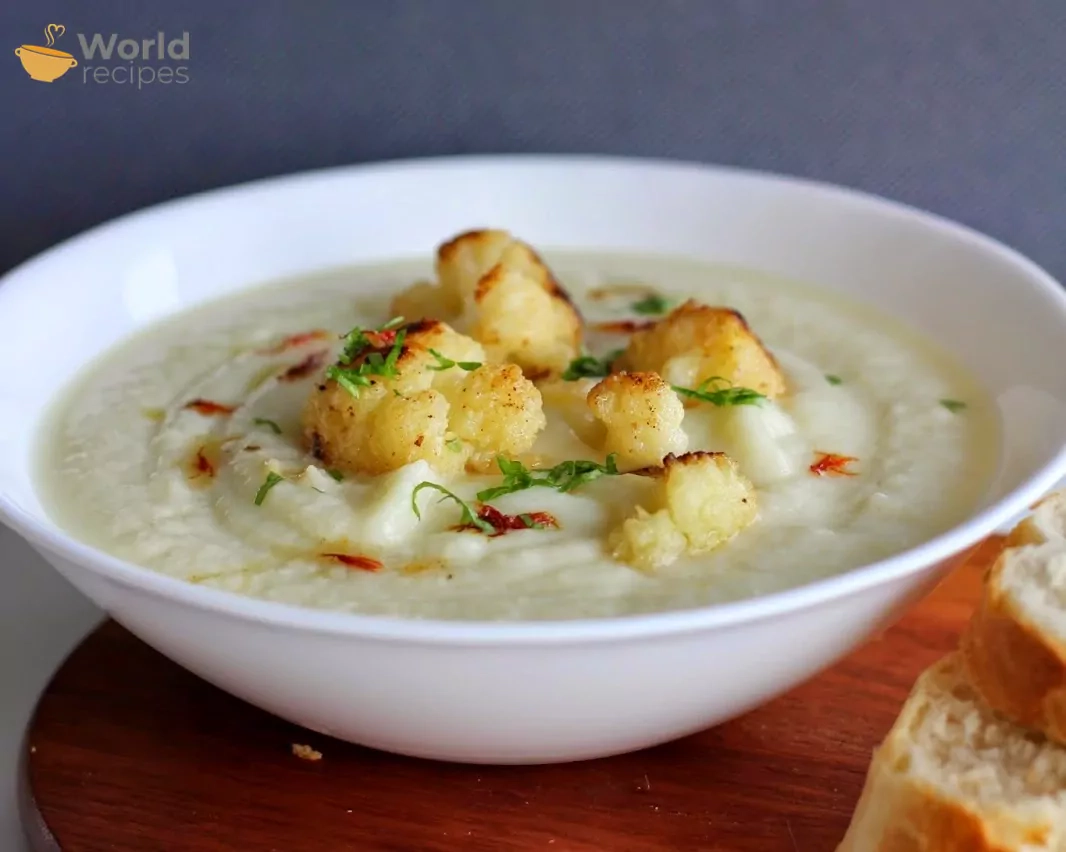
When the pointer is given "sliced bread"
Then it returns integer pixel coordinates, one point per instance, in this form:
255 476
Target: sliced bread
1015 644
953 776
1046 523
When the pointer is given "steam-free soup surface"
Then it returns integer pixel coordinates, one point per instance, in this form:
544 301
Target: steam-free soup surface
124 458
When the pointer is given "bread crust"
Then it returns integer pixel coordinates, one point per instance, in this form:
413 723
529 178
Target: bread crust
1016 670
1046 523
897 813
1006 662
901 811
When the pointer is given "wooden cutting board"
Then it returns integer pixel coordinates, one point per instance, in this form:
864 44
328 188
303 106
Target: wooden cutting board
127 751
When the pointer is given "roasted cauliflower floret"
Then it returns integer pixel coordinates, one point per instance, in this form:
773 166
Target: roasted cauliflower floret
461 263
498 289
696 342
404 429
648 540
709 499
523 315
467 257
377 431
497 410
432 344
702 501
642 416
406 394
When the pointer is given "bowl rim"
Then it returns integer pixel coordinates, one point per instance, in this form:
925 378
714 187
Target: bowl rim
50 537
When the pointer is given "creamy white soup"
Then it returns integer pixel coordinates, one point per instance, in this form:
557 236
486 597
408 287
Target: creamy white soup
188 450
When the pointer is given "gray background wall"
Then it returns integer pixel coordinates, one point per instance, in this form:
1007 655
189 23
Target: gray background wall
954 105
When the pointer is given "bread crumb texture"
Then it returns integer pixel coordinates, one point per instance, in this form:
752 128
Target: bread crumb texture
305 752
953 776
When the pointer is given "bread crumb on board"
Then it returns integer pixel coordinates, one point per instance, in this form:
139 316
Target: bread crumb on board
305 752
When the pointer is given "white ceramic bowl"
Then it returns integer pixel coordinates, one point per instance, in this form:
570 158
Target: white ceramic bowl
527 692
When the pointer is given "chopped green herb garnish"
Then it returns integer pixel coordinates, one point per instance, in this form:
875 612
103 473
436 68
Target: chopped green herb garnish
528 520
565 476
652 304
711 390
468 517
568 475
394 353
516 477
271 480
270 424
455 445
591 367
356 340
447 363
833 380
350 380
336 475
953 405
354 378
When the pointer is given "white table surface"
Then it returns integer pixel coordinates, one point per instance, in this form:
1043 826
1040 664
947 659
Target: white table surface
41 620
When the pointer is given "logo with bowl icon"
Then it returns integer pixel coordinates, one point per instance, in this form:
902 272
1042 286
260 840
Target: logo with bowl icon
45 63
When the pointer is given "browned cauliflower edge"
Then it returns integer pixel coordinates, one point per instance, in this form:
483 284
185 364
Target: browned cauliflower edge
499 290
419 411
696 342
497 410
642 417
702 501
